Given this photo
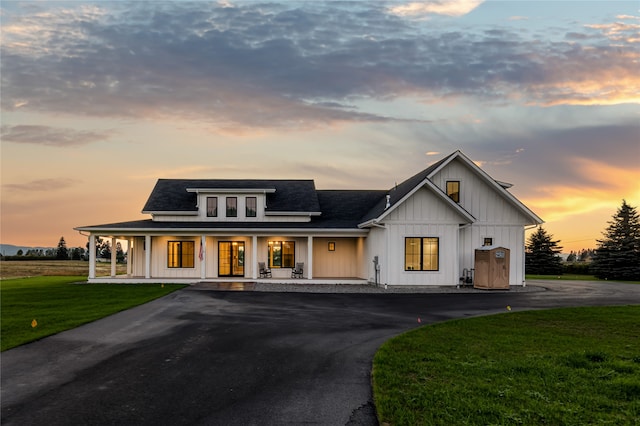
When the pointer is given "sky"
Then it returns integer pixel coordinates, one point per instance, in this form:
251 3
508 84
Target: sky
100 99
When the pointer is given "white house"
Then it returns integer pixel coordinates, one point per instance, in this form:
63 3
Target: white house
423 231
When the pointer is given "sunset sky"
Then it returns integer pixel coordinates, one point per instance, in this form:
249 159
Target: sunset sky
100 99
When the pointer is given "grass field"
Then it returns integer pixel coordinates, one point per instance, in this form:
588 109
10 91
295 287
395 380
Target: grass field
574 277
561 367
56 304
38 268
571 277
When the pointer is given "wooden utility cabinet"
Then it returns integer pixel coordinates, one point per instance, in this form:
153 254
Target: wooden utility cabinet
491 268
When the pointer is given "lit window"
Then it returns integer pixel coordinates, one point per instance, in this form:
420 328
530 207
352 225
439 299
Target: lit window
282 254
212 206
232 206
487 241
453 190
251 206
421 254
180 254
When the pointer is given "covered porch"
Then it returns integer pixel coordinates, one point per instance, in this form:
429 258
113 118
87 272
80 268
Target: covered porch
218 257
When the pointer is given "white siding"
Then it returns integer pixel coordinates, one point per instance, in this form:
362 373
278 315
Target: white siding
446 274
422 215
201 214
497 218
159 253
511 237
477 197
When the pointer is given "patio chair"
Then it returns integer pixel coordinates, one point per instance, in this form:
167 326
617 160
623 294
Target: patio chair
297 271
264 271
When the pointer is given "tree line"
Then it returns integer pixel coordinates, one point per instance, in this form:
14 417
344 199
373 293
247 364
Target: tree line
617 256
62 252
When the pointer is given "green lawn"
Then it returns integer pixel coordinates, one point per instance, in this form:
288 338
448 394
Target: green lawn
572 277
575 277
562 367
57 304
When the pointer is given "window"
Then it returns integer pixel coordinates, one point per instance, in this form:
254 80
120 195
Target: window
282 254
332 246
453 190
232 206
180 254
421 254
212 206
251 206
487 241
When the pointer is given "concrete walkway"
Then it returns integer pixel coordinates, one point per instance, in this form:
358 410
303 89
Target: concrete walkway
211 357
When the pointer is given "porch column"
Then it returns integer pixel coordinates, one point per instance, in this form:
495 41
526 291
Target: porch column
309 257
114 258
203 257
147 256
92 256
129 254
254 256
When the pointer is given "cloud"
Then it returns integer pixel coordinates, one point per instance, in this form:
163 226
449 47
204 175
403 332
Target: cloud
41 185
268 65
51 136
446 7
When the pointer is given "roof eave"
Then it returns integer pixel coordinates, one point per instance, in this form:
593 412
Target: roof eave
496 184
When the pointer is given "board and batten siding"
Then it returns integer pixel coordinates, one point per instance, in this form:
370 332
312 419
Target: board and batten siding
508 236
345 261
477 197
496 218
423 215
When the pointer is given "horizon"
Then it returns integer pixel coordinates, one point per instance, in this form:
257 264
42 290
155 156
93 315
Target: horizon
100 99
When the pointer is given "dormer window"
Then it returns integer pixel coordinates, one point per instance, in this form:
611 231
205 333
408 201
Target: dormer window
212 206
251 206
453 190
232 206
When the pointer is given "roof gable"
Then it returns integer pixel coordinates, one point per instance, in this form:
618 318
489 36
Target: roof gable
403 191
497 186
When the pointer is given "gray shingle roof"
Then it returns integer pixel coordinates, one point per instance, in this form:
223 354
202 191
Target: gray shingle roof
339 209
398 192
170 195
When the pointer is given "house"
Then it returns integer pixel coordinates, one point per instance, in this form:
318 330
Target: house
423 231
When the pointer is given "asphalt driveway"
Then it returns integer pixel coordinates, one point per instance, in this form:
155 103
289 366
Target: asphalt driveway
205 357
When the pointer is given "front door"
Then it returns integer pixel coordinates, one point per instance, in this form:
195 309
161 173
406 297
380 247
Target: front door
231 259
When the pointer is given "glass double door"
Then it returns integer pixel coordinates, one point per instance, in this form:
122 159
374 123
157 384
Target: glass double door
231 259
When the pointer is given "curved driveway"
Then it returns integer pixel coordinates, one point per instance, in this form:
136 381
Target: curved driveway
205 357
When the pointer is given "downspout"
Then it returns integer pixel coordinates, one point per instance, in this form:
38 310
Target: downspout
524 254
460 228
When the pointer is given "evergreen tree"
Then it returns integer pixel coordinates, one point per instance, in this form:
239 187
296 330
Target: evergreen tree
618 254
119 252
77 253
541 254
62 253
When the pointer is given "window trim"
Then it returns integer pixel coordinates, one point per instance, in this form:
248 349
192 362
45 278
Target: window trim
181 256
454 195
231 211
421 254
280 265
215 208
254 211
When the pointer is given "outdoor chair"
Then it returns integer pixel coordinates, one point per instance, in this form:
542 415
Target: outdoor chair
297 271
264 271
